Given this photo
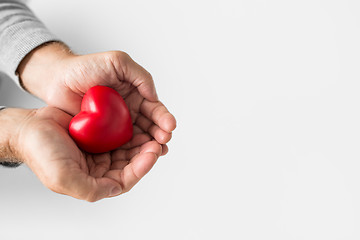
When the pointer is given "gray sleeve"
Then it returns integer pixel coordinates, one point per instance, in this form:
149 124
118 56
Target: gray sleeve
20 32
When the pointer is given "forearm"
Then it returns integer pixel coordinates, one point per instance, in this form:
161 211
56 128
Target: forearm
39 68
11 120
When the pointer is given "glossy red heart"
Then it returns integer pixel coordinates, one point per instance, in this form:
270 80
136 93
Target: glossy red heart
104 122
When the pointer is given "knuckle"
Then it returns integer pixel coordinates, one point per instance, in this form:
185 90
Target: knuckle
148 75
122 56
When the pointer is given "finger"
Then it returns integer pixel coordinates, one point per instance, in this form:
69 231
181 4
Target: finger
157 112
134 171
85 187
106 187
165 149
62 118
124 155
121 158
133 101
151 146
100 164
147 126
136 140
128 175
119 165
75 106
138 76
72 97
127 155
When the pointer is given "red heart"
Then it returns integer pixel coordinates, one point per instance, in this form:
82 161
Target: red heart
104 122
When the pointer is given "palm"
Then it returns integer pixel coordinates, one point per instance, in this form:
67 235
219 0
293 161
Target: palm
65 169
68 78
150 118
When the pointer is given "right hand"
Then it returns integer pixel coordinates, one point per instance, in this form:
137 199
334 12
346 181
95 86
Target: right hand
44 144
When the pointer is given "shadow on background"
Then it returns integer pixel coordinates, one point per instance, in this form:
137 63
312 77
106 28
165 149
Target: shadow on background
12 96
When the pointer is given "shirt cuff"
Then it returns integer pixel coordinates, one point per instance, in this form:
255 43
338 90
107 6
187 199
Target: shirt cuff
32 36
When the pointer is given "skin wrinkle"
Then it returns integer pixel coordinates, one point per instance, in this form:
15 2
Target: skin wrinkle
9 147
119 164
102 165
134 110
84 166
72 77
147 126
75 88
118 77
141 117
90 162
121 66
144 137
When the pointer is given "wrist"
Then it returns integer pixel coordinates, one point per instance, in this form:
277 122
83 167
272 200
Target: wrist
12 121
40 68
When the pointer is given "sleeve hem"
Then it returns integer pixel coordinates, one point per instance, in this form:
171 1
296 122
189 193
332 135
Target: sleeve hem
22 38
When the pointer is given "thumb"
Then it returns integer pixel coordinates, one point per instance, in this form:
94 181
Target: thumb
92 189
136 75
105 187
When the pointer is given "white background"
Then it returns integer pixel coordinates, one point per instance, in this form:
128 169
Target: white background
266 95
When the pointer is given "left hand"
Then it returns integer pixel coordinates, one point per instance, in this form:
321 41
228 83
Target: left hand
61 78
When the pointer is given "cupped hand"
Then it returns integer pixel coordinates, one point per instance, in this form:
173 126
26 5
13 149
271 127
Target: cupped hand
46 147
61 79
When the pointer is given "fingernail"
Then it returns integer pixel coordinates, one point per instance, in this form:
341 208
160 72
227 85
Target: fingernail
115 191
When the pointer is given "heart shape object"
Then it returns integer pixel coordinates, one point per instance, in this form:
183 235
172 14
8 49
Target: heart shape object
104 122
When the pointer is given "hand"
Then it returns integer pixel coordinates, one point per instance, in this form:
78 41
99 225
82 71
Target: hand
61 78
43 143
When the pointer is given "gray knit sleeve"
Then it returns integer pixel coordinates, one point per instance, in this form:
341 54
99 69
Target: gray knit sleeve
20 32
